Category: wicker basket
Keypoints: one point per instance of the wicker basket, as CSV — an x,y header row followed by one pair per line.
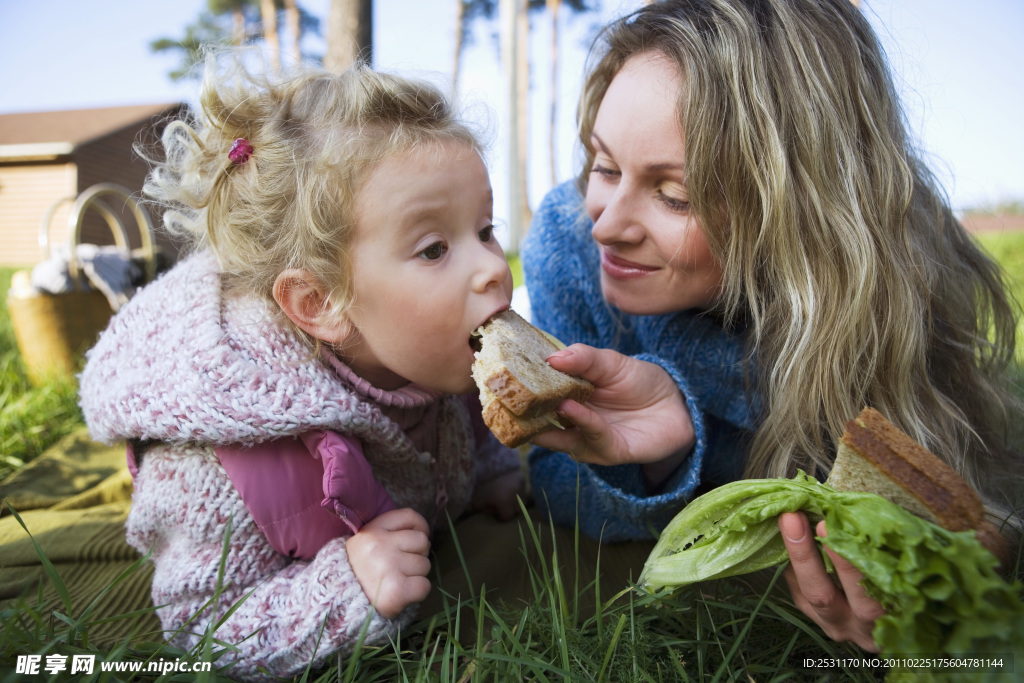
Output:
x,y
54,330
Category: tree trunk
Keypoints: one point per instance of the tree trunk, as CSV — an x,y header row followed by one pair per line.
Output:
x,y
268,13
460,19
237,27
512,59
294,30
553,7
523,101
349,34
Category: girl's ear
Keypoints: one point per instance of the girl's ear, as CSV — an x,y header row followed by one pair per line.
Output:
x,y
305,301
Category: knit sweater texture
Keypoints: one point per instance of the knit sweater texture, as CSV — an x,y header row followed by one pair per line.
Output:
x,y
561,265
183,369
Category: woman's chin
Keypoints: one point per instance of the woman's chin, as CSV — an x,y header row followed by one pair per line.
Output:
x,y
651,299
630,302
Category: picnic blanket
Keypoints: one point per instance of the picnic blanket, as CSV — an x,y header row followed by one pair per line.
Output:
x,y
74,501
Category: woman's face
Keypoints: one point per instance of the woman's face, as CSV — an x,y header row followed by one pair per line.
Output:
x,y
654,257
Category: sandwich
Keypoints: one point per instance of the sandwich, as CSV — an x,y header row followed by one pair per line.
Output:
x,y
519,391
877,457
883,486
914,529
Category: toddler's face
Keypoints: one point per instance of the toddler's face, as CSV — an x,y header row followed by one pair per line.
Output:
x,y
427,269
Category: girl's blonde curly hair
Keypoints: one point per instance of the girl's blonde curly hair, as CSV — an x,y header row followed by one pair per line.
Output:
x,y
842,260
315,135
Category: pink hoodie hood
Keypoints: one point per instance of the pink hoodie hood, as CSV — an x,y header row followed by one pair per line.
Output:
x,y
180,363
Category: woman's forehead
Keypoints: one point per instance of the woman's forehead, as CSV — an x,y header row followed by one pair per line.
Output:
x,y
641,108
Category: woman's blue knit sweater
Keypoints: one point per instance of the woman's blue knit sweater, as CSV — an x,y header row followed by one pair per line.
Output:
x,y
562,269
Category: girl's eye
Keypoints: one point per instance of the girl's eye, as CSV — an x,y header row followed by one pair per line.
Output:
x,y
487,234
433,252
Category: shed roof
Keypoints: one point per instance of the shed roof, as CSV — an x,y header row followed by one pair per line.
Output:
x,y
50,133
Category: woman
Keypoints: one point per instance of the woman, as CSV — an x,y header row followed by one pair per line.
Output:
x,y
752,253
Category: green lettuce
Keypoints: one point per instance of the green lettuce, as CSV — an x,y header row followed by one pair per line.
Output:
x,y
941,590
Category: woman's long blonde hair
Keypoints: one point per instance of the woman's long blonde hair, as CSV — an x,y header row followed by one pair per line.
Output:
x,y
316,135
843,262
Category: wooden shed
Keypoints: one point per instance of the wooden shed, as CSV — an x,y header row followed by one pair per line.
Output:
x,y
46,157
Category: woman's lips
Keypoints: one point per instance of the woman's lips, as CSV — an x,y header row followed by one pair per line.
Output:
x,y
623,269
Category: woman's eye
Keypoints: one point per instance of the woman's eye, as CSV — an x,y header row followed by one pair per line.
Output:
x,y
673,204
487,234
604,171
433,252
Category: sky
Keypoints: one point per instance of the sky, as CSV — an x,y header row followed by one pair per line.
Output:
x,y
960,68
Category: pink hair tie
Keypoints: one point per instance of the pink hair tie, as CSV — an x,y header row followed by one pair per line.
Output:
x,y
241,150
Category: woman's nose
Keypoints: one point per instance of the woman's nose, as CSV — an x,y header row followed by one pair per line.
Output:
x,y
616,218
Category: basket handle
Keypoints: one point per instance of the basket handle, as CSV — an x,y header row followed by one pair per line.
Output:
x,y
44,225
113,220
93,196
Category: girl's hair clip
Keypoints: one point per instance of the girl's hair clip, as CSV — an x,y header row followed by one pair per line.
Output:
x,y
241,150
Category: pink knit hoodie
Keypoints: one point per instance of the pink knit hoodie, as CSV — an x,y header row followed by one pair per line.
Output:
x,y
184,370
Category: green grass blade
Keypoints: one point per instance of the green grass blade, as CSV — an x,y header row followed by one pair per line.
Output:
x,y
611,646
51,571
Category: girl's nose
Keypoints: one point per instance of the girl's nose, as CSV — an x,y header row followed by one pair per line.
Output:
x,y
491,270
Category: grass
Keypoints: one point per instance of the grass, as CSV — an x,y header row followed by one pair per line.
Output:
x,y
517,269
31,418
737,629
723,631
1008,249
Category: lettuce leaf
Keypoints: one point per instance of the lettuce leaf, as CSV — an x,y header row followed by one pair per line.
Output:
x,y
940,588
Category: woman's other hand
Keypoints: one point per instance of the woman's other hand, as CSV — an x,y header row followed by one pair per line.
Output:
x,y
844,612
635,415
389,558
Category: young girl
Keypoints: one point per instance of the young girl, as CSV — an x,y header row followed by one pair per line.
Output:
x,y
288,391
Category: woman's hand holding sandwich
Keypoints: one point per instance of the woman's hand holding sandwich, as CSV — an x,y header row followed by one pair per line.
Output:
x,y
635,415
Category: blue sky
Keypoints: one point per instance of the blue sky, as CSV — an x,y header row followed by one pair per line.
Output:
x,y
960,66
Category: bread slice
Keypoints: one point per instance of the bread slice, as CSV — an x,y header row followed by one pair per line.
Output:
x,y
511,430
519,391
876,456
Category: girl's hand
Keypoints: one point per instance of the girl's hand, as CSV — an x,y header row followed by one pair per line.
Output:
x,y
499,497
389,558
635,415
845,612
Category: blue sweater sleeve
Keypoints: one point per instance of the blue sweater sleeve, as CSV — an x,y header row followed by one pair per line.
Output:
x,y
562,270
